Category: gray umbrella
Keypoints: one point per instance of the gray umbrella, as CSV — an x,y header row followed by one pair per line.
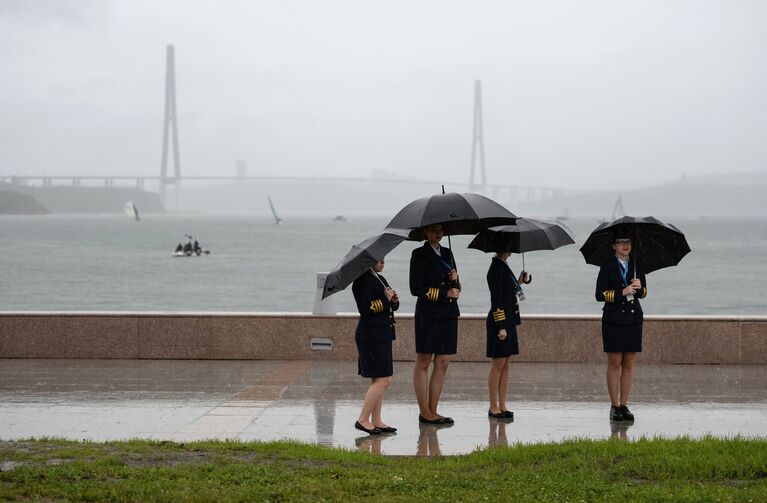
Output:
x,y
524,236
362,257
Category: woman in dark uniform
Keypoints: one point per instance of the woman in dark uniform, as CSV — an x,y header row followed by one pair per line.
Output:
x,y
502,321
434,281
620,285
376,303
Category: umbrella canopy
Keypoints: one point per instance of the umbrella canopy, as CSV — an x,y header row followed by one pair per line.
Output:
x,y
466,213
362,257
655,244
524,236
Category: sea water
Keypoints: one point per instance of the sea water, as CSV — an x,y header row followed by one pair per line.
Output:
x,y
113,263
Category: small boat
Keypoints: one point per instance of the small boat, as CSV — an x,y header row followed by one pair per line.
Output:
x,y
131,210
189,249
277,220
565,215
340,218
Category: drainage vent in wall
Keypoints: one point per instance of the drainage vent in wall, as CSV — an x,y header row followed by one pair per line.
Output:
x,y
321,344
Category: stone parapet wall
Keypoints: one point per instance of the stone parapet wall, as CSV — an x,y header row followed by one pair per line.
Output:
x,y
288,336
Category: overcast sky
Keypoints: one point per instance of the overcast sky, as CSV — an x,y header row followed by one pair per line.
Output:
x,y
578,94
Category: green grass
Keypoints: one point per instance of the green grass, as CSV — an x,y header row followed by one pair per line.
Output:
x,y
709,469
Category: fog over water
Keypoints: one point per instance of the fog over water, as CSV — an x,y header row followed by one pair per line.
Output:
x,y
576,94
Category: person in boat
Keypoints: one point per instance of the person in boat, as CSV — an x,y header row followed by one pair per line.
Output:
x,y
188,248
179,248
197,248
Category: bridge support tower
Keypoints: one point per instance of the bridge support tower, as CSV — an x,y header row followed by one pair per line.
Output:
x,y
170,124
477,142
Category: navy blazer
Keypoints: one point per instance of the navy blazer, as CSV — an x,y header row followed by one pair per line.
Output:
x,y
429,282
610,285
376,322
504,307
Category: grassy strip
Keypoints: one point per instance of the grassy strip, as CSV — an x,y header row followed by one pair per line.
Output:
x,y
709,469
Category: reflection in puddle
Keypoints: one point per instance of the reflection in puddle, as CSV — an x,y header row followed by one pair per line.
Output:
x,y
428,443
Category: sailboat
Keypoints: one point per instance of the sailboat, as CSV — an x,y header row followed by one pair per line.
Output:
x,y
131,210
618,210
277,220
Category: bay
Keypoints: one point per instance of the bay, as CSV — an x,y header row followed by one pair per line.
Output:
x,y
112,263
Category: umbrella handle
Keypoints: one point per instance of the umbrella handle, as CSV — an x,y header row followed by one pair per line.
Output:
x,y
450,244
522,274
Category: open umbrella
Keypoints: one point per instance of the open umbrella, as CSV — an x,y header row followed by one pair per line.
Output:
x,y
361,257
524,236
655,244
466,213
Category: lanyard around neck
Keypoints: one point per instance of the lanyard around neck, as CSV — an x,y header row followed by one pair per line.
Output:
x,y
624,272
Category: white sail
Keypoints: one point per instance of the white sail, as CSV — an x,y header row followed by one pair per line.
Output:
x,y
131,210
618,210
277,219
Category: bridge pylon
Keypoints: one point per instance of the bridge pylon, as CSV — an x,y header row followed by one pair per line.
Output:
x,y
477,142
170,123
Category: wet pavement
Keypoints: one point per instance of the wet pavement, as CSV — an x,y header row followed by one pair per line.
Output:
x,y
318,402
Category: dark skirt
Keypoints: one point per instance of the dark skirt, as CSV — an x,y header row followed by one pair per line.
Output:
x,y
622,338
375,359
497,348
436,336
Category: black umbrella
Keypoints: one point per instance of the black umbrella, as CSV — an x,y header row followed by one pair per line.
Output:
x,y
655,244
362,257
466,213
524,236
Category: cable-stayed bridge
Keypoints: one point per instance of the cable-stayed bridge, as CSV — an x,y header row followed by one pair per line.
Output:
x,y
156,182
161,182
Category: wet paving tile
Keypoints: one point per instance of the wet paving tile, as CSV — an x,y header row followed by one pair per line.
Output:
x,y
318,402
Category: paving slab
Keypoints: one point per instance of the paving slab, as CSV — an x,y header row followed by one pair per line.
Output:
x,y
318,402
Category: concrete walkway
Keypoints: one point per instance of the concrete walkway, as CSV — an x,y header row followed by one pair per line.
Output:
x,y
318,402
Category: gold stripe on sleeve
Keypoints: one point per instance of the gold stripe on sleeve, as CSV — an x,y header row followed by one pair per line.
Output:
x,y
499,315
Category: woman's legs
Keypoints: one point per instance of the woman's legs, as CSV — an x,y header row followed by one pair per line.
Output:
x,y
421,384
494,383
437,381
373,397
376,416
627,375
614,376
503,386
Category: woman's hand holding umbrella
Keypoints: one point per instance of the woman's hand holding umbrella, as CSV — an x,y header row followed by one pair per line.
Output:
x,y
633,288
455,292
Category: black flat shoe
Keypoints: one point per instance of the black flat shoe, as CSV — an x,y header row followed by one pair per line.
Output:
x,y
616,414
439,420
627,415
508,414
387,429
369,431
447,420
497,415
